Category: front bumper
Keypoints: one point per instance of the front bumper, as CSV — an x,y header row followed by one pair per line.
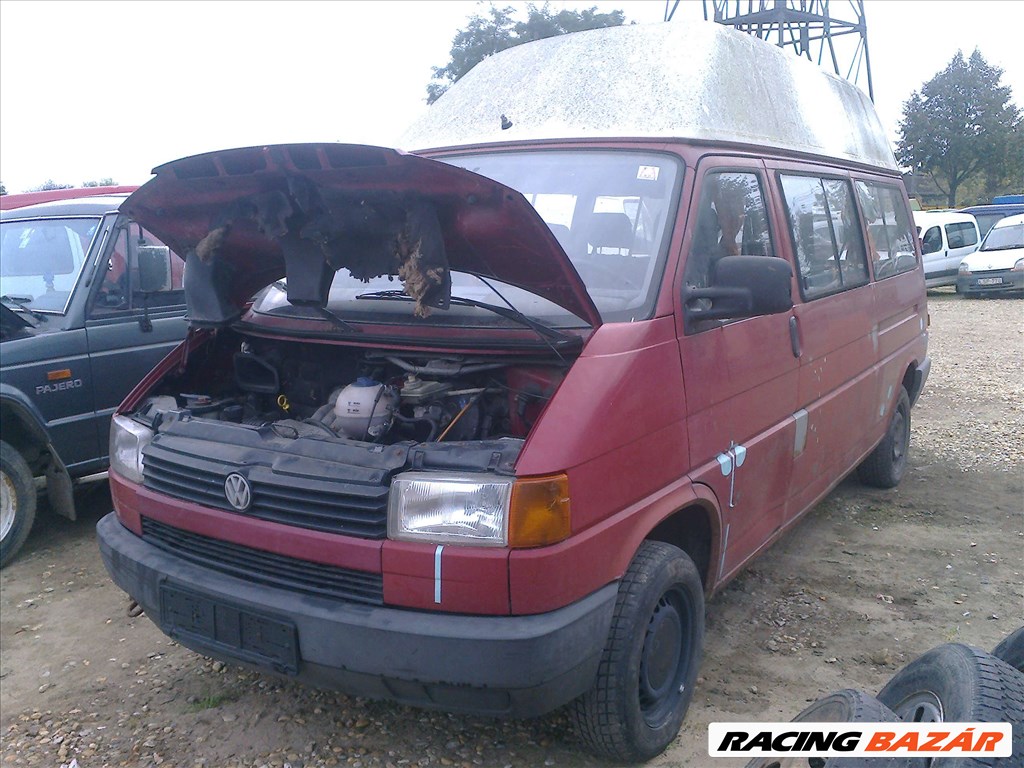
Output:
x,y
975,283
518,666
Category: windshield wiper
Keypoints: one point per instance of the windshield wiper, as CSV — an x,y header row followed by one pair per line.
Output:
x,y
515,315
21,302
342,323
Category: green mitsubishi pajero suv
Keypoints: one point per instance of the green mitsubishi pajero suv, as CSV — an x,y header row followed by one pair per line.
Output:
x,y
89,302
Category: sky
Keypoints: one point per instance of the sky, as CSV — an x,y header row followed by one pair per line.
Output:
x,y
92,90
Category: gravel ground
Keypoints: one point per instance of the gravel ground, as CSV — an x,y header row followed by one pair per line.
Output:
x,y
866,582
974,403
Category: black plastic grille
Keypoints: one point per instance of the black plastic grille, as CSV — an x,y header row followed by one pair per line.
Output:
x,y
267,568
320,504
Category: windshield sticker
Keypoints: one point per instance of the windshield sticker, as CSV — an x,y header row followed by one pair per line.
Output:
x,y
647,173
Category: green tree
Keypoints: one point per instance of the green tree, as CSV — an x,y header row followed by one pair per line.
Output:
x,y
105,182
49,184
960,125
496,30
3,189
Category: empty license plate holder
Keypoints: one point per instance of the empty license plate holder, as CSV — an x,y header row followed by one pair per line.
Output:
x,y
249,636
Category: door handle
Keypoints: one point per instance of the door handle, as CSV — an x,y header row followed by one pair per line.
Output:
x,y
794,336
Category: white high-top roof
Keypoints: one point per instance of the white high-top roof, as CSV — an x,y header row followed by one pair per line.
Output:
x,y
669,80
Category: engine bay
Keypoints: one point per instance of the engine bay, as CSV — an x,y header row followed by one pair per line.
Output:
x,y
331,392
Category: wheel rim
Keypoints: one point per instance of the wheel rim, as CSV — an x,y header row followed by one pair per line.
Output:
x,y
8,505
664,660
923,707
901,433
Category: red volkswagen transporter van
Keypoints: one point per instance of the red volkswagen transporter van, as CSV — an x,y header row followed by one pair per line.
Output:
x,y
504,412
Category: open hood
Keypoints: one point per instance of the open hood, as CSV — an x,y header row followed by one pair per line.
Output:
x,y
246,217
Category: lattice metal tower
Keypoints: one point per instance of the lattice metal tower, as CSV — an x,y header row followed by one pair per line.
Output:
x,y
816,29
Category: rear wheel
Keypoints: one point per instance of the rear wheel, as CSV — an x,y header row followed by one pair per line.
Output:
x,y
649,665
17,502
885,466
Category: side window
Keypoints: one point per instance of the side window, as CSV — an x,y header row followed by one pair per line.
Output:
x,y
932,240
961,234
826,234
731,220
141,272
890,236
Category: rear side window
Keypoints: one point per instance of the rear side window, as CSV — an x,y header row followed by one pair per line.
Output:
x,y
826,235
961,234
890,235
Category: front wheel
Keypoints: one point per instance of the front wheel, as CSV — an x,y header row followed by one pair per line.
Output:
x,y
884,467
649,665
17,502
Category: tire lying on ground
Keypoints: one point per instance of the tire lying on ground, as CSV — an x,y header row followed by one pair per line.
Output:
x,y
845,706
1011,650
960,683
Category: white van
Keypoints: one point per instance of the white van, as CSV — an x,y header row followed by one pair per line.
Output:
x,y
946,237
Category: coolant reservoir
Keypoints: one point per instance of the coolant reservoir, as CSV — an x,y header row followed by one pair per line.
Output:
x,y
365,408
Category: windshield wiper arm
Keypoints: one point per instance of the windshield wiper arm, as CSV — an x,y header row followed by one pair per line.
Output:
x,y
341,322
512,314
21,302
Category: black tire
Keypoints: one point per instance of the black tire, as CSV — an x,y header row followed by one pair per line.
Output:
x,y
960,683
1011,650
845,706
885,466
650,661
17,502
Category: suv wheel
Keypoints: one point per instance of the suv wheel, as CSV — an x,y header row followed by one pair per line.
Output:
x,y
17,502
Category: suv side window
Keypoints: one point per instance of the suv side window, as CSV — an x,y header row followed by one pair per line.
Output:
x,y
826,235
890,236
120,289
731,220
961,234
932,240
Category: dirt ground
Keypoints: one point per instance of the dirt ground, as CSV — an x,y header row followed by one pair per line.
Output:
x,y
866,582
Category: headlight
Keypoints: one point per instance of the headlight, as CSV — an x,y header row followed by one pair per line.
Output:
x,y
479,510
128,440
450,508
1018,266
964,269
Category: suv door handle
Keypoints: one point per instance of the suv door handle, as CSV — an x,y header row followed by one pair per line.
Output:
x,y
794,336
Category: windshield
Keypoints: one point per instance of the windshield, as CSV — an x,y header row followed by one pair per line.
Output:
x,y
1002,238
610,211
41,260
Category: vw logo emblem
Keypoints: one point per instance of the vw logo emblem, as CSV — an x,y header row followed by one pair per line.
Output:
x,y
237,491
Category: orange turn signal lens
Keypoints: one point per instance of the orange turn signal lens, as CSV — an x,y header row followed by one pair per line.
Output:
x,y
539,511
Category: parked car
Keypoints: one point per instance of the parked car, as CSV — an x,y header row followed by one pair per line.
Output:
x,y
506,409
91,301
988,215
21,199
997,267
946,237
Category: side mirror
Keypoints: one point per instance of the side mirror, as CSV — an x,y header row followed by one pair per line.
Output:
x,y
154,268
744,286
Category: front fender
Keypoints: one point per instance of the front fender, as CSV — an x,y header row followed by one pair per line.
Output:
x,y
16,405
